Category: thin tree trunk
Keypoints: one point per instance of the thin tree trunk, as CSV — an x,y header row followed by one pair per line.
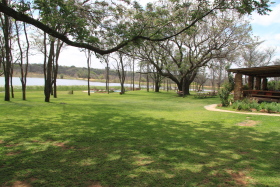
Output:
x,y
55,66
11,81
140,76
7,65
133,74
107,77
23,69
24,74
88,66
48,80
148,81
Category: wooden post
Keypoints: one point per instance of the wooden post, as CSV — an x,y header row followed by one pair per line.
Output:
x,y
258,83
238,87
251,82
264,83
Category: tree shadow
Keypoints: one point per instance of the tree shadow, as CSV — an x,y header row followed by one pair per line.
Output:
x,y
116,149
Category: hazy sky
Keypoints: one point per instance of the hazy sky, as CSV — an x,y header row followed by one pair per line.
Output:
x,y
266,27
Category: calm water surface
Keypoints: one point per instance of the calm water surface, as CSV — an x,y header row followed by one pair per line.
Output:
x,y
59,82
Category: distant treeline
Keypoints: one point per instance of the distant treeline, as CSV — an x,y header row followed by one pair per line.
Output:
x,y
71,71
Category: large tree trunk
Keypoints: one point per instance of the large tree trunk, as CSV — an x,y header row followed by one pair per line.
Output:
x,y
187,88
157,85
184,84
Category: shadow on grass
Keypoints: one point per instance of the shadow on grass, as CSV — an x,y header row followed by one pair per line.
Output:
x,y
111,149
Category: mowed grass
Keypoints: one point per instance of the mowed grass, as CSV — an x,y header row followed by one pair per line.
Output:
x,y
136,139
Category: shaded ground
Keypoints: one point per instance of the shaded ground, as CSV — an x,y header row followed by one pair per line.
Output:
x,y
126,143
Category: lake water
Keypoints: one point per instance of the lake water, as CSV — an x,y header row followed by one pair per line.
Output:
x,y
59,82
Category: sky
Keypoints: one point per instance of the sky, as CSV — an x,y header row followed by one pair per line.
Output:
x,y
266,27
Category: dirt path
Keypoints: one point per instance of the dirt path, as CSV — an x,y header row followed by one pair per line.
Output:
x,y
213,108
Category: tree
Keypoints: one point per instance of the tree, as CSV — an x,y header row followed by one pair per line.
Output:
x,y
180,58
23,57
58,48
75,15
218,71
105,59
252,55
7,60
110,18
88,55
201,78
120,66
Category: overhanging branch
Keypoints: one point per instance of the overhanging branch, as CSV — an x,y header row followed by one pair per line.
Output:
x,y
22,17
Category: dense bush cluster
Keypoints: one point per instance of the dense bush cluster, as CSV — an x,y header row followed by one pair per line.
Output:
x,y
273,85
253,105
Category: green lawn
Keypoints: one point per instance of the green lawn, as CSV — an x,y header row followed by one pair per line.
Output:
x,y
138,139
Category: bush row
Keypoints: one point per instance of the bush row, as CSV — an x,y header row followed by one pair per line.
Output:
x,y
253,105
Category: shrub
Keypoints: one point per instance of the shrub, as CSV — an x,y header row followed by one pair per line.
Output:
x,y
237,105
226,90
253,104
272,107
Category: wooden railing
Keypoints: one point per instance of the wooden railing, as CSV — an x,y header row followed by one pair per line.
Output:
x,y
262,93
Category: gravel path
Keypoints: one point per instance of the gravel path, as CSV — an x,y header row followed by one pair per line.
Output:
x,y
213,108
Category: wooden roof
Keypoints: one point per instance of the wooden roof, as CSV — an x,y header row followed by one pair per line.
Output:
x,y
264,71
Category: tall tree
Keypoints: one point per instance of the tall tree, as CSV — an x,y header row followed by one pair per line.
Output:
x,y
58,47
180,58
120,66
23,57
253,55
48,68
88,56
218,71
7,63
107,17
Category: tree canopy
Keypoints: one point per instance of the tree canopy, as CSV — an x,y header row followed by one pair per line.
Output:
x,y
86,22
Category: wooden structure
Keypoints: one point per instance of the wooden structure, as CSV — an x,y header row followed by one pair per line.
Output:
x,y
257,83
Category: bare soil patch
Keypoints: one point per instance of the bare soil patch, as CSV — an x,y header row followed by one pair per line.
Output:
x,y
11,145
95,184
62,145
248,123
13,153
21,184
239,178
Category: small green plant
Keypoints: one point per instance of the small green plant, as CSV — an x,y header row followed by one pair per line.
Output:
x,y
224,93
272,107
248,105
